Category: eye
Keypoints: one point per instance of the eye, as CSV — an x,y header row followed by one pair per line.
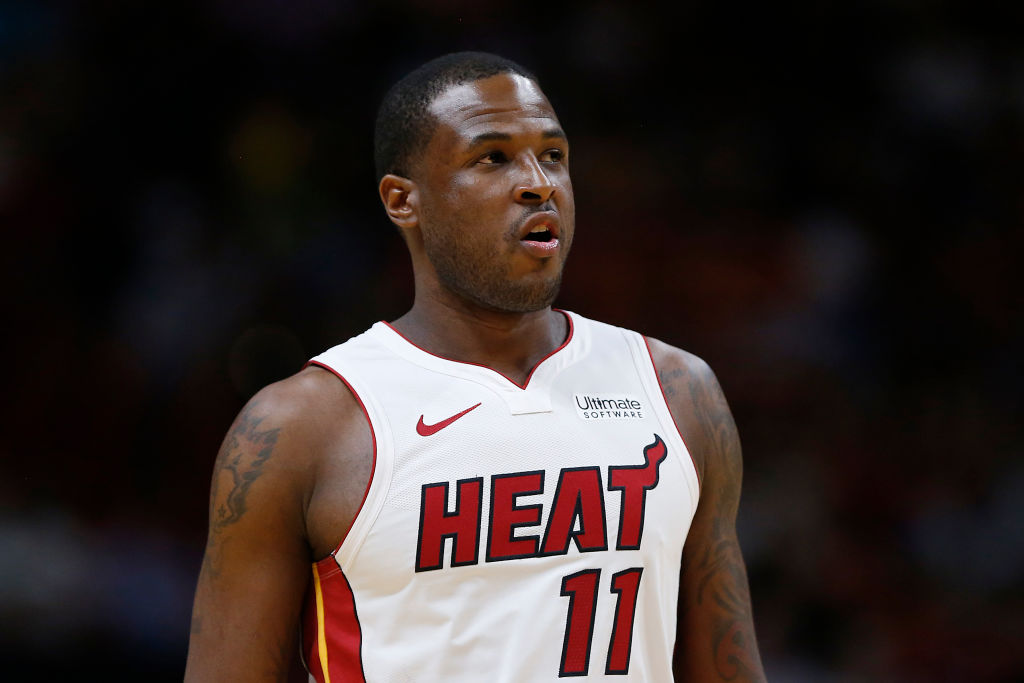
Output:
x,y
553,155
493,158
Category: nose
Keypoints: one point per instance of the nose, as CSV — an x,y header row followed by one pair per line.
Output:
x,y
534,187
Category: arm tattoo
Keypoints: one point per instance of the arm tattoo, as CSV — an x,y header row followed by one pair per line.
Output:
x,y
722,591
723,579
723,585
242,469
240,462
668,381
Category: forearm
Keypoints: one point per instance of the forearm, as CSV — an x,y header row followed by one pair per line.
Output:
x,y
717,641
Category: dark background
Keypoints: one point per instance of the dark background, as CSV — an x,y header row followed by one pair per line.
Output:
x,y
823,200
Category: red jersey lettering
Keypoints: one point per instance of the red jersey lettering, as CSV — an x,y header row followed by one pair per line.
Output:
x,y
635,481
579,495
507,515
462,525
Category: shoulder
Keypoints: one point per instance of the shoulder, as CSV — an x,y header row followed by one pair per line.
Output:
x,y
289,428
306,402
697,403
677,369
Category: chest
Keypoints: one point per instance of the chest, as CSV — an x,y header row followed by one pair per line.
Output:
x,y
470,477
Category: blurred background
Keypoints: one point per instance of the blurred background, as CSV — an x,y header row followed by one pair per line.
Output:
x,y
823,200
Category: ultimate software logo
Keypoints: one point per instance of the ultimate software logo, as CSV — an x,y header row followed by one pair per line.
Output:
x,y
608,407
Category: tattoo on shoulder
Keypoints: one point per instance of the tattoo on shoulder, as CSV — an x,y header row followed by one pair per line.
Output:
x,y
669,379
722,442
240,463
699,389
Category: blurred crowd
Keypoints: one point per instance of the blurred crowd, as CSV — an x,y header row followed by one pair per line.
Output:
x,y
823,200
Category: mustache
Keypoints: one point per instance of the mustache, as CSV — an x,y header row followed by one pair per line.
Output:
x,y
528,212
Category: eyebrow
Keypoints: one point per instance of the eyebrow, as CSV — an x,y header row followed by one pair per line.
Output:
x,y
493,136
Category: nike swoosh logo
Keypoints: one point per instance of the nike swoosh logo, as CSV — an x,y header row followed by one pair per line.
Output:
x,y
424,429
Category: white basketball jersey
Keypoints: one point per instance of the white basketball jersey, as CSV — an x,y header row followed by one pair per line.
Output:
x,y
509,532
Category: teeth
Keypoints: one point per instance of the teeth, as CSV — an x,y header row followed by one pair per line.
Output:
x,y
539,229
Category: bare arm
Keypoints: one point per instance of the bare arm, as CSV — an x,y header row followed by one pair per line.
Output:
x,y
270,517
715,639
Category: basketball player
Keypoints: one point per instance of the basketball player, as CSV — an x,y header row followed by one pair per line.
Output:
x,y
487,488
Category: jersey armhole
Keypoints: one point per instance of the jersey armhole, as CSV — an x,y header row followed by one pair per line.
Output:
x,y
373,496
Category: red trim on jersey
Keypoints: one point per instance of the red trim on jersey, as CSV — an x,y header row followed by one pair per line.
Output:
x,y
526,383
665,398
373,435
310,628
342,633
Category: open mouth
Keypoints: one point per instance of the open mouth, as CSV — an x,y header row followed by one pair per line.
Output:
x,y
539,234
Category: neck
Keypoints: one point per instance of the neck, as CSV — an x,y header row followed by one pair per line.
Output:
x,y
510,343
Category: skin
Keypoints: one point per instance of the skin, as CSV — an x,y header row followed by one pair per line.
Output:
x,y
715,635
294,466
466,261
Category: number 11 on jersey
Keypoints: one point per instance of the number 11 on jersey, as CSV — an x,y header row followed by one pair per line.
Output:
x,y
581,589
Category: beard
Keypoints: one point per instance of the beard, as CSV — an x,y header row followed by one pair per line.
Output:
x,y
487,282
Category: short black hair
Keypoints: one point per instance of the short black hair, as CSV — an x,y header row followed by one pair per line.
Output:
x,y
404,124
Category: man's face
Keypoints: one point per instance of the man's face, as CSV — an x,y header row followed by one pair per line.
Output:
x,y
496,205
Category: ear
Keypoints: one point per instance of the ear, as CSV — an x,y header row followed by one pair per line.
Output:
x,y
401,200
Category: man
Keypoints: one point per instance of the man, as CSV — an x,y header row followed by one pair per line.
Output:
x,y
485,489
